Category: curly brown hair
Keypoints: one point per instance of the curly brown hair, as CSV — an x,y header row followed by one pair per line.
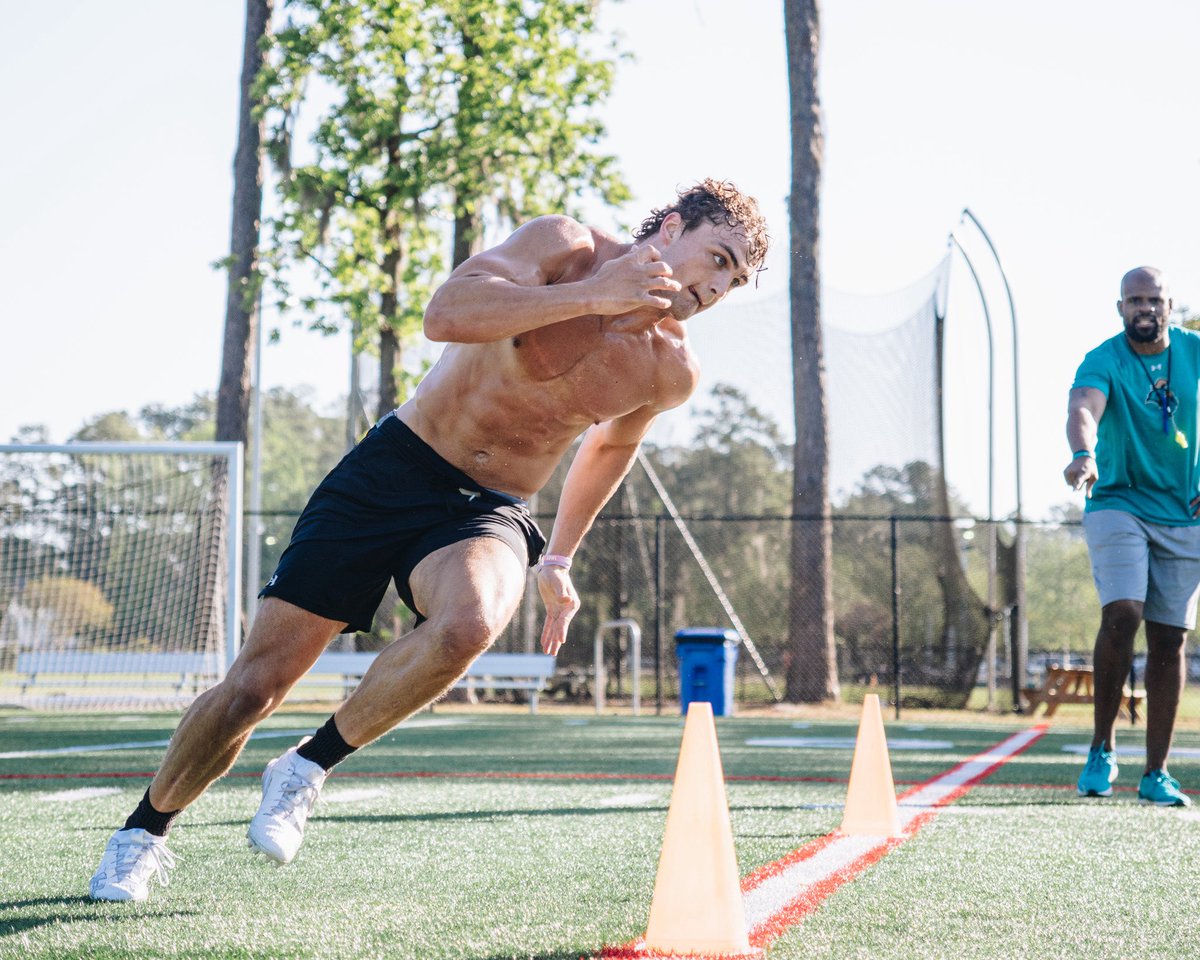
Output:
x,y
721,203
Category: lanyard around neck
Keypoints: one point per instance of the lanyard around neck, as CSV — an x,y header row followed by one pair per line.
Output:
x,y
1162,395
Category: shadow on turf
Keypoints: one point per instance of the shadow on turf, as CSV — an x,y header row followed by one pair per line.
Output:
x,y
71,909
460,815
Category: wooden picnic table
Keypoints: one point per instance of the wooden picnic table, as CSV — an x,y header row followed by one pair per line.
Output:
x,y
1074,685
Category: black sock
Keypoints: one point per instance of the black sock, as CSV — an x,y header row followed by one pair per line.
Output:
x,y
326,748
145,817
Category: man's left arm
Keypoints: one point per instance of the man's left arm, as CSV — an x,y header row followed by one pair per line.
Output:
x,y
603,460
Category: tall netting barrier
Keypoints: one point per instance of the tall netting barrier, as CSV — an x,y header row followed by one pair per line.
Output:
x,y
119,568
921,591
883,388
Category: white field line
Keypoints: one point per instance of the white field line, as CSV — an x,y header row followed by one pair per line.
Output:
x,y
846,743
83,793
1191,753
630,800
775,893
352,795
144,744
129,745
769,898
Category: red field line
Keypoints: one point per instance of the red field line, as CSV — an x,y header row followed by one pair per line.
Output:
x,y
435,774
792,909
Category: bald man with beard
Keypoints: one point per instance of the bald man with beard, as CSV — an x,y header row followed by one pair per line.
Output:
x,y
1131,425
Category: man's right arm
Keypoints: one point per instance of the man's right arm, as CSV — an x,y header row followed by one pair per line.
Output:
x,y
515,286
1085,407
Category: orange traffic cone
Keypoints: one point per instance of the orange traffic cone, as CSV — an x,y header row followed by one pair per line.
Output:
x,y
871,798
697,905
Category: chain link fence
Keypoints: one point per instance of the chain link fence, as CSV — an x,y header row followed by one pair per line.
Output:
x,y
923,606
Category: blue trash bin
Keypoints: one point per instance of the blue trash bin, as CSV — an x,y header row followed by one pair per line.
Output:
x,y
707,657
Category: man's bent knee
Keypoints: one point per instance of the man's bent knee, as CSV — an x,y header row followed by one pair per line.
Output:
x,y
251,693
461,639
1121,617
1163,638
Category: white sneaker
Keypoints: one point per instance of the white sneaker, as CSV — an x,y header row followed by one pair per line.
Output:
x,y
131,858
290,788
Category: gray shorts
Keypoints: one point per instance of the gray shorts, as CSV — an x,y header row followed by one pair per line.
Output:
x,y
1154,564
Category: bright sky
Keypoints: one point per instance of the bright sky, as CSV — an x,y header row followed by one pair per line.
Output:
x,y
1069,128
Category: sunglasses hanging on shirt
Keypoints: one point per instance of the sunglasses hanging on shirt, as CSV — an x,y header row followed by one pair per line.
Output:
x,y
1163,396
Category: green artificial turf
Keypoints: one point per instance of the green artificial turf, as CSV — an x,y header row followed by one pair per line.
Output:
x,y
483,859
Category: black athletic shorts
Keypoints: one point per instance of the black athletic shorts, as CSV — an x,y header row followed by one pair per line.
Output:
x,y
390,503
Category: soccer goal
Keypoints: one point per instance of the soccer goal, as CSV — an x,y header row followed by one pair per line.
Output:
x,y
120,572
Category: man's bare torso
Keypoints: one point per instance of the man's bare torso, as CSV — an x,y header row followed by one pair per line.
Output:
x,y
506,412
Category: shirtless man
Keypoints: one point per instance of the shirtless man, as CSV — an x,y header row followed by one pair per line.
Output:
x,y
559,330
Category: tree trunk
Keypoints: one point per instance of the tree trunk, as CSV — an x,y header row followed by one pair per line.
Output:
x,y
241,306
812,667
468,222
389,342
468,235
389,359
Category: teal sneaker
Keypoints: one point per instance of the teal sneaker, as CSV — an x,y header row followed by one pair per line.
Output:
x,y
1098,773
1162,789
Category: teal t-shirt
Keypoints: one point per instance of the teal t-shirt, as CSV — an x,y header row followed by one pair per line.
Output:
x,y
1143,469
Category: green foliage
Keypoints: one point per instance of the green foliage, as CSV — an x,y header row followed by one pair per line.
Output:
x,y
112,548
192,421
862,573
738,466
1063,608
734,439
300,446
69,600
423,113
733,484
115,426
911,490
31,433
95,520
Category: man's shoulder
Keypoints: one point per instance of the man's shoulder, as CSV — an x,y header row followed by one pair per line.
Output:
x,y
1104,352
1189,338
561,245
557,229
1111,345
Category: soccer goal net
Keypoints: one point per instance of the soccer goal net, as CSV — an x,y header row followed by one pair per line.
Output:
x,y
119,572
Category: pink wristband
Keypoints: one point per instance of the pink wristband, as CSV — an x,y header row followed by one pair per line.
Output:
x,y
556,560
